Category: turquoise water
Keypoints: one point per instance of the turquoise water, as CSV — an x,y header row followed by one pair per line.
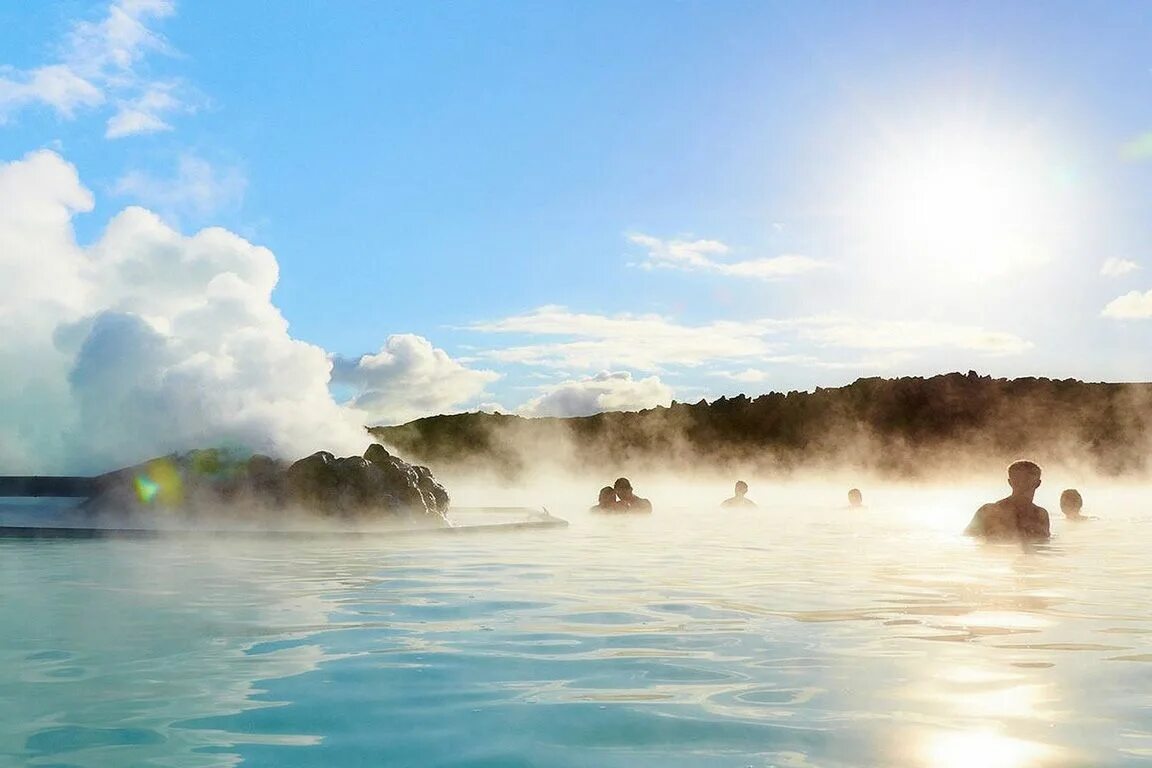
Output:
x,y
784,636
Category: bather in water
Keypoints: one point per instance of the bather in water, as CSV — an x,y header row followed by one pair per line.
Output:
x,y
1015,516
1072,504
740,499
630,500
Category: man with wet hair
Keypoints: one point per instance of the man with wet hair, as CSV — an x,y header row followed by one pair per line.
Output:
x,y
1015,516
631,501
855,498
740,499
1071,504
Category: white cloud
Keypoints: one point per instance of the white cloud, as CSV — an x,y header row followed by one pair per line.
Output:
x,y
97,65
603,392
1130,306
908,335
54,86
653,343
146,341
144,113
408,378
197,187
707,255
640,342
108,49
1114,267
747,376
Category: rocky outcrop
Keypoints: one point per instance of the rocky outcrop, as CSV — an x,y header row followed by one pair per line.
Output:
x,y
199,483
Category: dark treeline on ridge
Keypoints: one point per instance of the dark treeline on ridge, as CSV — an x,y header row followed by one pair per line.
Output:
x,y
905,427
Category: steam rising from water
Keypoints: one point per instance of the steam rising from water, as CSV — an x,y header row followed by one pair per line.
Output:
x,y
144,342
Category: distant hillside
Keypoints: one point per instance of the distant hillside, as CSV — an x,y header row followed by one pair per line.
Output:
x,y
911,427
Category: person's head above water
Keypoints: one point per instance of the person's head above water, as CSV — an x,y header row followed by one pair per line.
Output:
x,y
855,498
741,488
622,487
1024,478
1071,502
607,496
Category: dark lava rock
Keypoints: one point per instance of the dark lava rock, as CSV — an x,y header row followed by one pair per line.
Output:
x,y
376,485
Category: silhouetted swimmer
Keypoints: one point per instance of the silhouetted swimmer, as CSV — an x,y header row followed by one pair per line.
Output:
x,y
855,498
1071,504
608,501
1015,516
741,498
631,501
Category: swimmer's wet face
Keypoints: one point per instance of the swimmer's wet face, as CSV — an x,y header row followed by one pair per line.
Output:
x,y
741,488
855,498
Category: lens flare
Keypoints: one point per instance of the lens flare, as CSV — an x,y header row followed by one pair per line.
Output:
x,y
160,484
146,488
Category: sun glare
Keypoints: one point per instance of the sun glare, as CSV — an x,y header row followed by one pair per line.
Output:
x,y
960,203
984,749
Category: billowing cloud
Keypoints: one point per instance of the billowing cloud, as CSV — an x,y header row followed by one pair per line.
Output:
x,y
145,341
406,379
603,392
1114,267
97,66
1131,306
708,256
197,187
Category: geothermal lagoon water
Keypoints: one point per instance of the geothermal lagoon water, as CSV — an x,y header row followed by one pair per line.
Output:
x,y
795,635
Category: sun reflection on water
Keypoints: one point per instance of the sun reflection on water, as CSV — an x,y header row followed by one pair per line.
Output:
x,y
985,749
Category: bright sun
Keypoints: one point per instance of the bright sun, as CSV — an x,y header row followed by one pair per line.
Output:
x,y
960,203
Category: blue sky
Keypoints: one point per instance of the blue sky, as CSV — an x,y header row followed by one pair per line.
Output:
x,y
596,205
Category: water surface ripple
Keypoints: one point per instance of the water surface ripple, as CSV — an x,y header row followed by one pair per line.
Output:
x,y
689,638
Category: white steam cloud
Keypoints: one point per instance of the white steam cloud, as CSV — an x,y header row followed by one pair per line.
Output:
x,y
149,341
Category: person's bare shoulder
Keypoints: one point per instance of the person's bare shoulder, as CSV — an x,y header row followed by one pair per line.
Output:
x,y
990,510
977,526
1039,526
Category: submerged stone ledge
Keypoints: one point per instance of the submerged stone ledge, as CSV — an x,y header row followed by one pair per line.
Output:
x,y
215,482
